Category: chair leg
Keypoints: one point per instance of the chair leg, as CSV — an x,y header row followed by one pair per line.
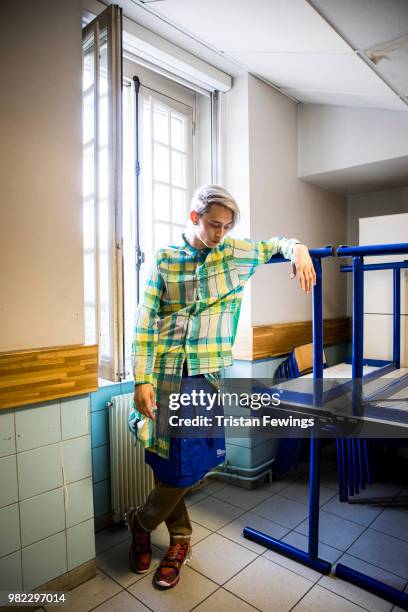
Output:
x,y
367,461
350,471
355,466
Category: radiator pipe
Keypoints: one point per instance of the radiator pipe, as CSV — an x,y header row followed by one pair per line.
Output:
x,y
238,476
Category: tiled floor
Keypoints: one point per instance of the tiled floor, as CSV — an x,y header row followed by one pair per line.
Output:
x,y
229,573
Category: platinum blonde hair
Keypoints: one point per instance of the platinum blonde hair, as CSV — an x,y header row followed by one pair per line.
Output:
x,y
207,195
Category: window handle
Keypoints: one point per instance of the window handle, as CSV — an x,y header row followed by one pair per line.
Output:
x,y
140,257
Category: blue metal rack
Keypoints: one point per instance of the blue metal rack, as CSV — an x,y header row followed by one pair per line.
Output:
x,y
318,398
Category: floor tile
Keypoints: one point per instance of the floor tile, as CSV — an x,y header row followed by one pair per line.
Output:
x,y
394,522
210,486
213,513
244,498
194,496
379,489
334,531
328,553
219,559
234,530
329,480
363,514
224,601
267,586
328,471
299,491
90,594
321,599
110,537
397,608
161,538
115,563
293,566
355,594
382,550
282,510
122,602
192,589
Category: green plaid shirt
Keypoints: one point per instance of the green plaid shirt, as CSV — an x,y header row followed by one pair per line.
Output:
x,y
190,313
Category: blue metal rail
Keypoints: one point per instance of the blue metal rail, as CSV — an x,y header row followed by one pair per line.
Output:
x,y
401,248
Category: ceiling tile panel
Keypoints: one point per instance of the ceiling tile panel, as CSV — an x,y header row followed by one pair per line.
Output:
x,y
253,25
367,22
342,73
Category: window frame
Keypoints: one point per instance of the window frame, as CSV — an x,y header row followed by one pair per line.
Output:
x,y
115,366
180,100
111,365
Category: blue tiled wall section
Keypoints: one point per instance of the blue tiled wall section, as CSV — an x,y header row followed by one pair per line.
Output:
x,y
100,447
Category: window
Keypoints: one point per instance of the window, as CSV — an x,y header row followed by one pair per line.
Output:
x,y
101,129
145,150
156,201
166,171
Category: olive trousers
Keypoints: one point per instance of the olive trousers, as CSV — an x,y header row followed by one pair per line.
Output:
x,y
166,503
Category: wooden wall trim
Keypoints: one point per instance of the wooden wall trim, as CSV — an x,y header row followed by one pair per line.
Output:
x,y
263,341
39,375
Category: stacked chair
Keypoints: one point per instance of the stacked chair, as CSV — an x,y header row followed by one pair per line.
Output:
x,y
298,363
353,463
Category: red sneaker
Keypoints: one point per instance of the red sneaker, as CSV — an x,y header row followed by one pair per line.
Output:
x,y
140,552
168,573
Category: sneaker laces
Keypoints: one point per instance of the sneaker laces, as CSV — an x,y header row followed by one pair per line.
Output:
x,y
176,553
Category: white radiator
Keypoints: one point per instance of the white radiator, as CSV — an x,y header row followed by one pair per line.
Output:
x,y
131,479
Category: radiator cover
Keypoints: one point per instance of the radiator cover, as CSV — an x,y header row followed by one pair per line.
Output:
x,y
131,479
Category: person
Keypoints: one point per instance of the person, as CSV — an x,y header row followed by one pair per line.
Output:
x,y
185,329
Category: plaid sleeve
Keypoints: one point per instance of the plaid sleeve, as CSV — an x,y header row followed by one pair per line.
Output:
x,y
249,254
146,334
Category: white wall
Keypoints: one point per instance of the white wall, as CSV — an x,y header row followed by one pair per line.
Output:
x,y
40,166
372,204
378,288
235,164
335,137
203,140
282,204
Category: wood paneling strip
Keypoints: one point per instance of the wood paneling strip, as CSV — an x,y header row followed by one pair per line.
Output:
x,y
39,375
263,341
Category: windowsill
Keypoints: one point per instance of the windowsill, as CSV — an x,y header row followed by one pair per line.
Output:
x,y
102,382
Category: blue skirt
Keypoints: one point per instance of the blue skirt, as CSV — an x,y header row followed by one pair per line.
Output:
x,y
190,457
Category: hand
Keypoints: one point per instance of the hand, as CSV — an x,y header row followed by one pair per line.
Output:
x,y
302,265
144,400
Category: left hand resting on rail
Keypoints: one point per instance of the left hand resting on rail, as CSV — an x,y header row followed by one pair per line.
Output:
x,y
302,266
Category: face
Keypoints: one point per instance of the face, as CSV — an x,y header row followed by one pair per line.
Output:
x,y
213,225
